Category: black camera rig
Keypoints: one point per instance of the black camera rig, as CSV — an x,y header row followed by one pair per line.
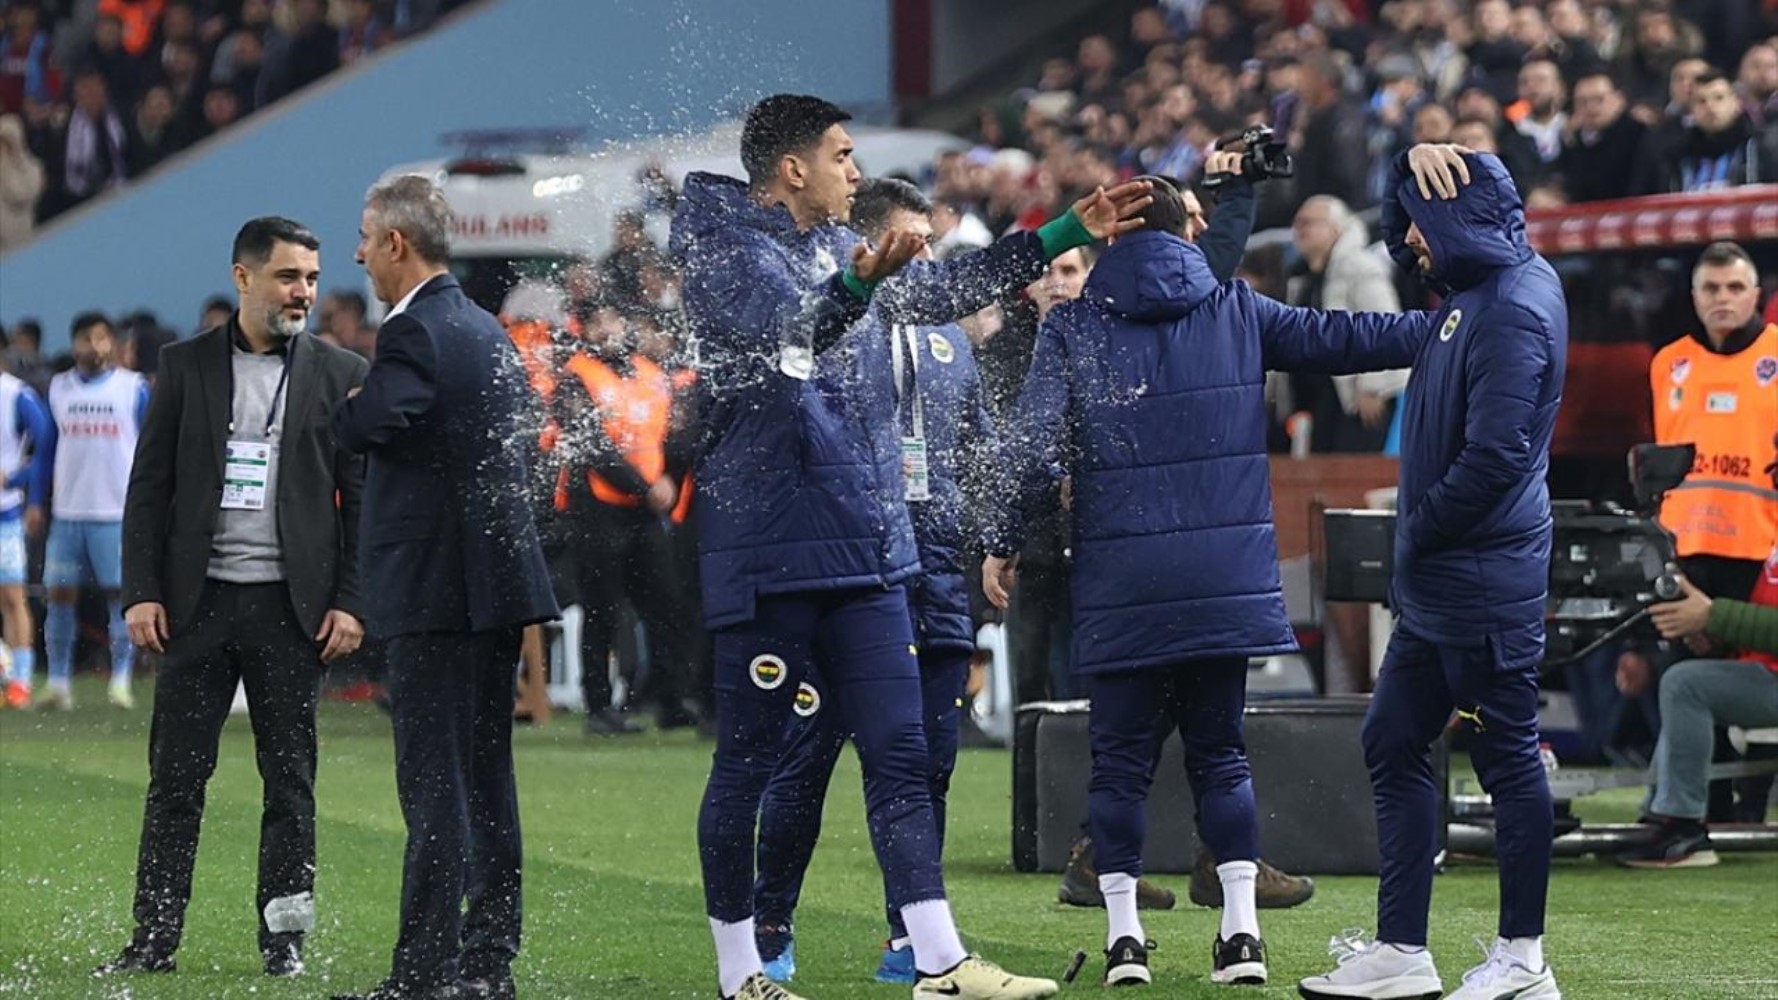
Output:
x,y
1263,156
1607,565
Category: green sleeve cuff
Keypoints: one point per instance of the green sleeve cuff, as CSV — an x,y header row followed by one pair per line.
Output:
x,y
856,285
1062,234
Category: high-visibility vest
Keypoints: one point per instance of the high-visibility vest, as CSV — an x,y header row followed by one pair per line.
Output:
x,y
634,412
533,341
139,22
1727,406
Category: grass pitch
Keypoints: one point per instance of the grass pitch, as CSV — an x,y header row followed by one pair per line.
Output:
x,y
613,903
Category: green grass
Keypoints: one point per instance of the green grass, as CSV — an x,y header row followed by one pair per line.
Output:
x,y
613,903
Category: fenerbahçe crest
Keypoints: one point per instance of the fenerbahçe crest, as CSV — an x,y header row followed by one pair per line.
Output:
x,y
808,700
1450,327
767,672
942,351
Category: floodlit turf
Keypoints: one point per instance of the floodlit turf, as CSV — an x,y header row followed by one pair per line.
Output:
x,y
614,908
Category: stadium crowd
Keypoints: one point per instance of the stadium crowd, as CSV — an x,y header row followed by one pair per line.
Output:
x,y
97,93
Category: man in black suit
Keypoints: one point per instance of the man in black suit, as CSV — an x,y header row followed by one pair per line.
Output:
x,y
239,565
453,573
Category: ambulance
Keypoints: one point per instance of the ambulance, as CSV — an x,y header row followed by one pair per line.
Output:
x,y
527,203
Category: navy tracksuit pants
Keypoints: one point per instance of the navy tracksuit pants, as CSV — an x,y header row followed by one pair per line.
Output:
x,y
1494,692
790,816
1131,711
861,642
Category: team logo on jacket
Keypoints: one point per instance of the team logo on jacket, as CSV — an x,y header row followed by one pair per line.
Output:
x,y
1675,398
808,700
1682,367
768,672
1445,332
942,351
1765,370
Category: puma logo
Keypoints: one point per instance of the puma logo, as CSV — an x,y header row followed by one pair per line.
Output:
x,y
1473,716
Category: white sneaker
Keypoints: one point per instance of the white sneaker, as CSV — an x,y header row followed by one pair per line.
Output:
x,y
120,695
1504,977
1374,971
979,979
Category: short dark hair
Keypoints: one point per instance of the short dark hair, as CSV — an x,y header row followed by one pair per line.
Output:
x,y
1710,76
878,198
217,303
28,328
1723,253
783,124
1166,214
351,300
253,244
85,321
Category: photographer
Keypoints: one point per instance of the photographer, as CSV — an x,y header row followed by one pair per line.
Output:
x,y
1697,696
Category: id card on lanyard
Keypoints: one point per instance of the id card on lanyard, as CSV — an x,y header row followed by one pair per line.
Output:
x,y
246,470
915,466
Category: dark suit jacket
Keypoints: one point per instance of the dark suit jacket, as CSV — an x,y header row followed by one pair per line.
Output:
x,y
445,416
169,516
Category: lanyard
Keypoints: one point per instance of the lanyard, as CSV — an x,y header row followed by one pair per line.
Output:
x,y
271,413
912,357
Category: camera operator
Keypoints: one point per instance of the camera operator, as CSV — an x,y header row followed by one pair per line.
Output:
x,y
1699,695
1714,389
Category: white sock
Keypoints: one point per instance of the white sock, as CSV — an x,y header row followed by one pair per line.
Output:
x,y
737,954
1528,950
933,931
1120,908
1239,913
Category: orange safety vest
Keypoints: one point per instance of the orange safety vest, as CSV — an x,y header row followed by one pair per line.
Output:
x,y
139,21
634,412
532,340
1727,406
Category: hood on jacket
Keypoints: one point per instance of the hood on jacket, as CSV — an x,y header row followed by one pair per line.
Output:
x,y
1476,233
1151,277
710,203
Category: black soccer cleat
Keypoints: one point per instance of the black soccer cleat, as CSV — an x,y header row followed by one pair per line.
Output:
x,y
1126,962
1240,960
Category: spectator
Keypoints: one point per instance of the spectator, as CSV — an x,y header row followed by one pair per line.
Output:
x,y
1097,65
1538,112
1565,39
1719,149
106,53
1599,156
364,32
152,137
1432,123
1330,149
182,70
296,58
1350,413
1758,82
222,108
139,21
25,71
1495,55
94,145
1514,148
21,183
1393,110
217,310
239,60
343,323
1662,41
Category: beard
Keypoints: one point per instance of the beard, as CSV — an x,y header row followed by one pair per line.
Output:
x,y
282,327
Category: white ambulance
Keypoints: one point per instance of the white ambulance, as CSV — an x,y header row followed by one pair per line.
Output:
x,y
526,203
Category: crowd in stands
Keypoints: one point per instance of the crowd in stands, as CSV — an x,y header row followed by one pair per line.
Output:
x,y
96,93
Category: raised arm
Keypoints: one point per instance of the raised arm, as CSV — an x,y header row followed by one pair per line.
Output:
x,y
1298,339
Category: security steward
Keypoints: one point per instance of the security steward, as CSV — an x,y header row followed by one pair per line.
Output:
x,y
1718,390
240,564
625,467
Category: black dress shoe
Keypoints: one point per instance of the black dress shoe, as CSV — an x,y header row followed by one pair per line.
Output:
x,y
134,959
284,960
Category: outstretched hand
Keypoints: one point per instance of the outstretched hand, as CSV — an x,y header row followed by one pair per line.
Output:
x,y
1112,212
897,247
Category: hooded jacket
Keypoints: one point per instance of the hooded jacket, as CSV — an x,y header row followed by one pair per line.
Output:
x,y
790,485
1151,390
1473,527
